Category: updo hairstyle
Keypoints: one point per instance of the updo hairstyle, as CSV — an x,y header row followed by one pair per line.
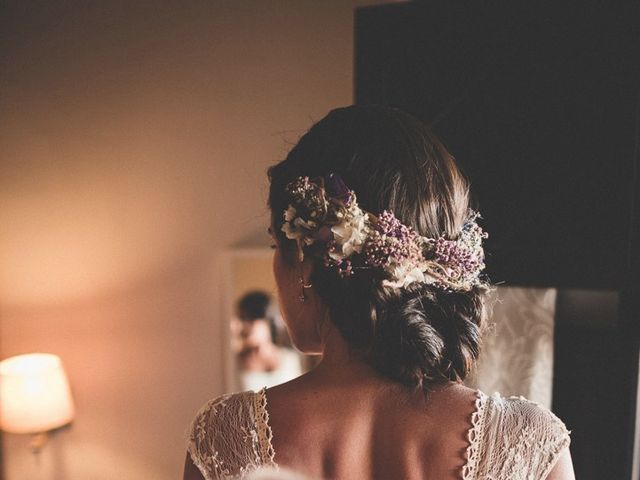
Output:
x,y
418,336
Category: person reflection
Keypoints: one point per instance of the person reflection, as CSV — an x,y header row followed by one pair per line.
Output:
x,y
263,359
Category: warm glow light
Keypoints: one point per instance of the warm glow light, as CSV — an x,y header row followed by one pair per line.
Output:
x,y
34,394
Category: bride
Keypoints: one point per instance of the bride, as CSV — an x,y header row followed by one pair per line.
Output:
x,y
378,261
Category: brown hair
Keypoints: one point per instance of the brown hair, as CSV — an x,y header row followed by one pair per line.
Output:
x,y
392,161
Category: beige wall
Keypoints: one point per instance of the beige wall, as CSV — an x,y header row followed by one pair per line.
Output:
x,y
251,270
134,140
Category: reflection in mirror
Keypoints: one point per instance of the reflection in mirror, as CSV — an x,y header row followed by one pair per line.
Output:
x,y
261,347
260,352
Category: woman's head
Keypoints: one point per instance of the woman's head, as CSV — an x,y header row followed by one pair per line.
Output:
x,y
258,307
392,162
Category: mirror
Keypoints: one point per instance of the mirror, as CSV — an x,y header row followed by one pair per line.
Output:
x,y
259,350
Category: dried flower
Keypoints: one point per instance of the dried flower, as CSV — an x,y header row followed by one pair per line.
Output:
x,y
324,210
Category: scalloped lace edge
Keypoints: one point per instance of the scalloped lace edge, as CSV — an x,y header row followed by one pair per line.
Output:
x,y
191,446
474,436
265,434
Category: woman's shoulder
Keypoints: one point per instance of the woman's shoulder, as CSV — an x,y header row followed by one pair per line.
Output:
x,y
521,428
222,408
230,434
519,411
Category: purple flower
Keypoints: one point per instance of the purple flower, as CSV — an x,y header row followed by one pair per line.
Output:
x,y
337,189
392,243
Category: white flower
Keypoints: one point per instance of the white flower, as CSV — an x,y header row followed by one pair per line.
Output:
x,y
290,213
295,228
309,225
405,274
350,235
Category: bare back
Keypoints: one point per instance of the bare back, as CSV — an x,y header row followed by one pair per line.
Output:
x,y
347,424
370,429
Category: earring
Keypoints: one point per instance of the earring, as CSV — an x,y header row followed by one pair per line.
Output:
x,y
303,285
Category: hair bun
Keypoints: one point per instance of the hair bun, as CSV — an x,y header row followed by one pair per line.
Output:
x,y
427,336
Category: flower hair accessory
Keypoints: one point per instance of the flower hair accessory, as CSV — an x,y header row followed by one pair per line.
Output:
x,y
325,213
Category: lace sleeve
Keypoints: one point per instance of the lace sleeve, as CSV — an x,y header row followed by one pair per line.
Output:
x,y
521,439
551,435
226,439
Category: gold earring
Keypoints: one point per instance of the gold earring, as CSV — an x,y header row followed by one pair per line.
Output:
x,y
303,285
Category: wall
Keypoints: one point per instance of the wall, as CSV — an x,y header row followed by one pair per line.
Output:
x,y
134,140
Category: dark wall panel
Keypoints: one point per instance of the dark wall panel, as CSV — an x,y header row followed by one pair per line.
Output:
x,y
539,102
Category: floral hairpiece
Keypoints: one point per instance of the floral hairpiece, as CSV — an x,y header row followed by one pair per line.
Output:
x,y
325,212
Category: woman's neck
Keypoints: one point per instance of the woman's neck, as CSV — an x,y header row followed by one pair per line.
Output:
x,y
342,366
339,361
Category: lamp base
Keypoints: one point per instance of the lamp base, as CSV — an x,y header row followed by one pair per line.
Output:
x,y
38,441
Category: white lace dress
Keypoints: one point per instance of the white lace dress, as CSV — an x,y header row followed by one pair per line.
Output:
x,y
510,438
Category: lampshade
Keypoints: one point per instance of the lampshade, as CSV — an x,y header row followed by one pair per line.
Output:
x,y
34,394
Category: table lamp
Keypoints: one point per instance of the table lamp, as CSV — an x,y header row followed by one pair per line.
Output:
x,y
34,396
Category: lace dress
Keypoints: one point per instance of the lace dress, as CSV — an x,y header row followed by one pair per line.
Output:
x,y
510,438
